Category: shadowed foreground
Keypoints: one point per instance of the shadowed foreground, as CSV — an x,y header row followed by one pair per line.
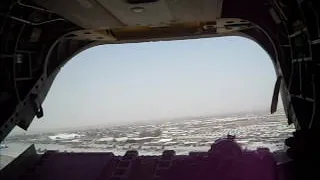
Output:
x,y
226,160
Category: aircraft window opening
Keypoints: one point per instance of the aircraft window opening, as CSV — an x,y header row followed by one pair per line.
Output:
x,y
157,96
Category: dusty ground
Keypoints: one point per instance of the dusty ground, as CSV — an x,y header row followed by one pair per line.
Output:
x,y
4,160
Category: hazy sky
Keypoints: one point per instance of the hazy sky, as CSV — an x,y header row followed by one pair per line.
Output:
x,y
115,84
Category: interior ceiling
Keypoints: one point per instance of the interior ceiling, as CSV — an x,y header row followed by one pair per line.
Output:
x,y
102,14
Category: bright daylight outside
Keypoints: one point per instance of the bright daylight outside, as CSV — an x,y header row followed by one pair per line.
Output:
x,y
178,95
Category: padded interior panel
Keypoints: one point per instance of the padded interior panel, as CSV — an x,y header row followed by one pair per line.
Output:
x,y
102,14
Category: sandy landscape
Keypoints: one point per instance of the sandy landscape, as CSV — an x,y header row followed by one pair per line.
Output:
x,y
182,135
